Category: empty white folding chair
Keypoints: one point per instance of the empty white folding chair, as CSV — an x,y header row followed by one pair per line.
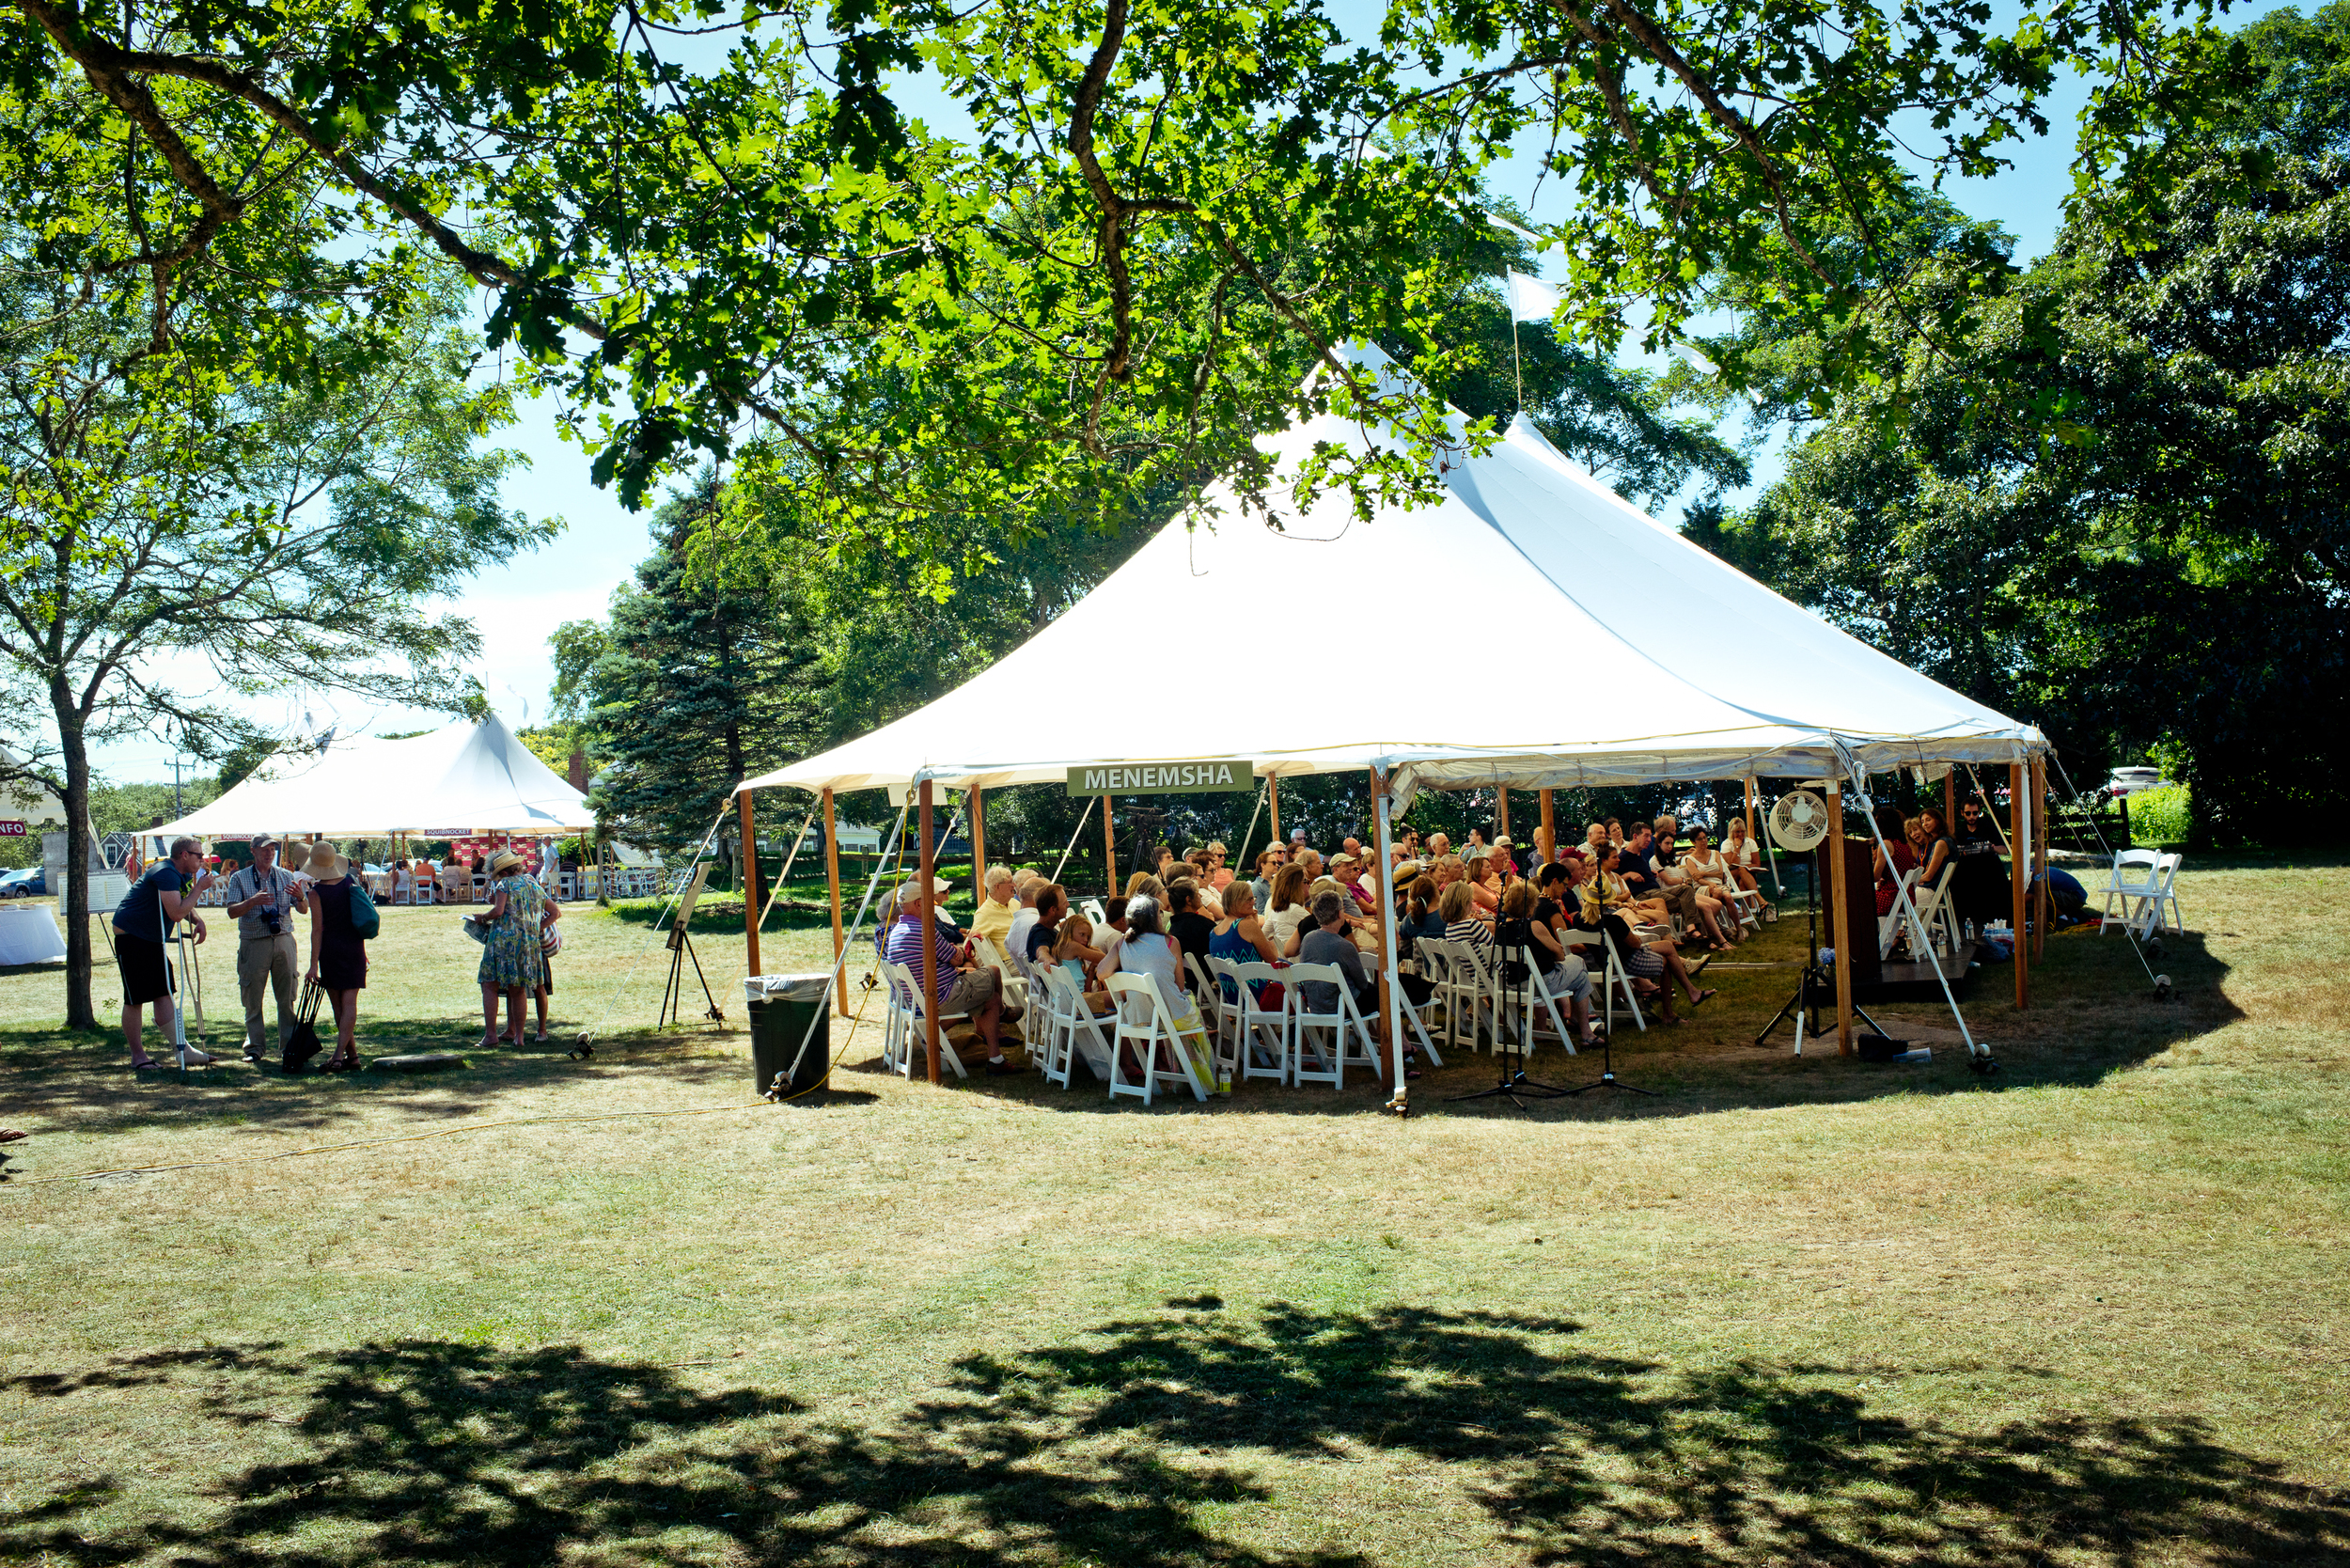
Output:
x,y
1147,1034
2130,885
2176,919
1935,912
1056,1010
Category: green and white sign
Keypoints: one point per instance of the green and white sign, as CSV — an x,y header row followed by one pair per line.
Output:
x,y
1219,776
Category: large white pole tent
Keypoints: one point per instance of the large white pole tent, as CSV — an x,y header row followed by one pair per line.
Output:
x,y
468,777
1570,640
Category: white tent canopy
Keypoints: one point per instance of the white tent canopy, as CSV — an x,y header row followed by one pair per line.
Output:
x,y
466,778
1569,639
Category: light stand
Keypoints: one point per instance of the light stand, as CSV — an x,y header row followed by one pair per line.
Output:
x,y
1511,936
1815,988
1607,1078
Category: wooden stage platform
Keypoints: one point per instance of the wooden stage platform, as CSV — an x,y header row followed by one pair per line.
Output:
x,y
1912,982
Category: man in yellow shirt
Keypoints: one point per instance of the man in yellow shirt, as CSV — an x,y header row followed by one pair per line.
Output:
x,y
997,906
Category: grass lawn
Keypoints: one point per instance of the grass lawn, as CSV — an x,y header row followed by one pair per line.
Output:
x,y
2093,1310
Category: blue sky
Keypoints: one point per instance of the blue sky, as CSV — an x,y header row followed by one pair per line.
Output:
x,y
518,605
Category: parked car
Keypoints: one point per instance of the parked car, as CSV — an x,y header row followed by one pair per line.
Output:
x,y
25,881
2130,781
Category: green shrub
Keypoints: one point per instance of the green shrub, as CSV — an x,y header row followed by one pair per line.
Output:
x,y
2159,816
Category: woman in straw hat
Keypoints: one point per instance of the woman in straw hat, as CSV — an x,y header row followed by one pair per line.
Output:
x,y
338,957
510,958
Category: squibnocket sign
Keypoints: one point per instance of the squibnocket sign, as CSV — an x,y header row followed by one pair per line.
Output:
x,y
1215,777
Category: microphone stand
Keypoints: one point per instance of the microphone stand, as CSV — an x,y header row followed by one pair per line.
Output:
x,y
1510,1027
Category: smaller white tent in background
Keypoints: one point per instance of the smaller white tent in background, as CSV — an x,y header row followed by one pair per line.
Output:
x,y
463,779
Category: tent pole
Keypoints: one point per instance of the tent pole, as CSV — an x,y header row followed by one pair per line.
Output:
x,y
1273,800
1109,851
2040,859
929,934
1949,800
1749,782
831,883
1083,817
1840,926
750,880
1501,812
2018,875
1547,836
978,849
1389,986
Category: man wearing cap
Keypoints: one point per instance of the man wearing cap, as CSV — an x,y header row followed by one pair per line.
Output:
x,y
261,898
163,896
976,991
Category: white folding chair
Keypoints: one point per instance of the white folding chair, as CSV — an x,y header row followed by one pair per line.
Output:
x,y
1935,912
1536,991
1614,978
1336,1037
1211,1002
1260,1033
1013,975
1147,1028
2131,882
1091,909
1889,923
1088,1042
1056,1012
917,1042
2168,892
1474,980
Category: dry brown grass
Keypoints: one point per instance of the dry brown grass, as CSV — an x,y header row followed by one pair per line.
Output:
x,y
2090,1311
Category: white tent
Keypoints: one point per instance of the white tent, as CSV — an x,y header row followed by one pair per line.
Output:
x,y
465,778
1531,628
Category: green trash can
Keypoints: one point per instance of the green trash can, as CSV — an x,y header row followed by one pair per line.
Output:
x,y
787,1032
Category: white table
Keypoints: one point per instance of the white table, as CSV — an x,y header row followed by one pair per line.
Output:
x,y
29,934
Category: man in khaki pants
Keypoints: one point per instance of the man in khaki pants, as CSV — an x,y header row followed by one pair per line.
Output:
x,y
263,898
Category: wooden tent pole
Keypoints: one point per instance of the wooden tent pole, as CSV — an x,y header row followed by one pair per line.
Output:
x,y
978,849
1273,799
750,882
831,883
2040,857
2019,876
1950,801
1749,783
1501,812
1392,1068
1840,926
1110,850
1547,836
929,934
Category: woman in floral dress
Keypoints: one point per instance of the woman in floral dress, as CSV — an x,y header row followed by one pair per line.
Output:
x,y
509,958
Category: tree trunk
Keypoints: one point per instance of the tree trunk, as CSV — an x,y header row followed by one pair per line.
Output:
x,y
73,900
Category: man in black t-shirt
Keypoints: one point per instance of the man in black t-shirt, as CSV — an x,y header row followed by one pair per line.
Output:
x,y
1637,867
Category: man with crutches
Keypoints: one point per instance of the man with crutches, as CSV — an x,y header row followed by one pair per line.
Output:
x,y
263,898
143,921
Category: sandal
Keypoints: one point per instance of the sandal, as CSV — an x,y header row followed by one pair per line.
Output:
x,y
149,1065
1701,998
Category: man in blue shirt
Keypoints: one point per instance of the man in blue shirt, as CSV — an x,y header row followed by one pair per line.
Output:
x,y
143,921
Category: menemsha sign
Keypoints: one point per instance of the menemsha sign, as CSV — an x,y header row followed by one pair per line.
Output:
x,y
1165,778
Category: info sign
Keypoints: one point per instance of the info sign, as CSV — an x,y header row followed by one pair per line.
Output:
x,y
11,830
1218,777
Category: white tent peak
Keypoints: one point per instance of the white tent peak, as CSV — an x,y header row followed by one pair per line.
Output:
x,y
464,777
1616,651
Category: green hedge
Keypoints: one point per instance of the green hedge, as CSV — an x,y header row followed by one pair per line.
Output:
x,y
2158,818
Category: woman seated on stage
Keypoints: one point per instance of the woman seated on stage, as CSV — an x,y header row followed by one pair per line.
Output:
x,y
1933,846
1895,834
1744,855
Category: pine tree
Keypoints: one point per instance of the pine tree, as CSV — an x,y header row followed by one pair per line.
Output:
x,y
695,686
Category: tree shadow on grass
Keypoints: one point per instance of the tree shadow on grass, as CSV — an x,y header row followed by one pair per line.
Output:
x,y
1130,1445
82,1080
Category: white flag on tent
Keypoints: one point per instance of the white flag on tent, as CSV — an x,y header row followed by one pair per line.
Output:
x,y
1499,221
1532,299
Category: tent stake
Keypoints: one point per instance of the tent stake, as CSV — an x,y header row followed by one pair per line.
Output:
x,y
831,883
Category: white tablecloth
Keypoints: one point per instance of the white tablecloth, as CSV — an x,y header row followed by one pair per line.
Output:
x,y
29,934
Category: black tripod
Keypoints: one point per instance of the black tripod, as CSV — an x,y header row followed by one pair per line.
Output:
x,y
1607,1078
673,995
1814,989
1510,938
